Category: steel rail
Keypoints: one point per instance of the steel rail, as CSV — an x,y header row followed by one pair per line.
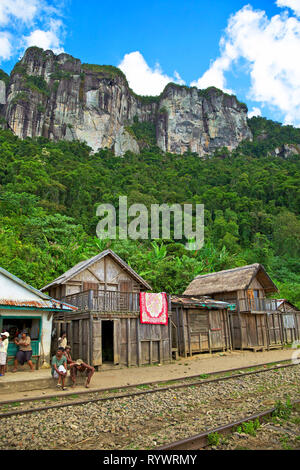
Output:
x,y
157,382
200,441
139,393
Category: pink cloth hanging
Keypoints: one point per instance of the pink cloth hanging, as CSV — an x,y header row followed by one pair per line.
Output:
x,y
154,308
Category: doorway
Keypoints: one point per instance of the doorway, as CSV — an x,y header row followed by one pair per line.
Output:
x,y
107,341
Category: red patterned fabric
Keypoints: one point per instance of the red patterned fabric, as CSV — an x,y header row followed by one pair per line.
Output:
x,y
154,308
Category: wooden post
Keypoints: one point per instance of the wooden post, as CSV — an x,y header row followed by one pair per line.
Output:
x,y
183,333
240,322
128,343
209,338
257,337
80,338
170,331
150,352
178,332
90,300
268,331
189,332
91,339
138,343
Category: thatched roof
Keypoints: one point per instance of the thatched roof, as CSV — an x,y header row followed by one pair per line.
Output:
x,y
231,280
87,263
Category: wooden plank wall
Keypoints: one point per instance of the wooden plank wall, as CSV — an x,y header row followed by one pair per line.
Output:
x,y
134,344
201,330
257,331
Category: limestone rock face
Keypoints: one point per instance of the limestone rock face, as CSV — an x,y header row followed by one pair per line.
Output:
x,y
2,92
200,121
287,150
58,97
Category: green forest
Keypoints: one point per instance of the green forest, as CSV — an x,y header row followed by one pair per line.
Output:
x,y
49,192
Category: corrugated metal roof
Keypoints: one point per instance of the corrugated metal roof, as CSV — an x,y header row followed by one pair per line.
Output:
x,y
204,302
46,302
39,304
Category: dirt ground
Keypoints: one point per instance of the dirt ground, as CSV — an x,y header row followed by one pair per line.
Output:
x,y
197,364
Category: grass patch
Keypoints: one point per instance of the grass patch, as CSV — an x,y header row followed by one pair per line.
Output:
x,y
214,439
249,427
283,410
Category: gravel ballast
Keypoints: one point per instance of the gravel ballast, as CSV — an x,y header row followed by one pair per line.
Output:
x,y
148,421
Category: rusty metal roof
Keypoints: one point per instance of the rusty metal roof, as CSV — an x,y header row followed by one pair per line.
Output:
x,y
37,304
44,302
201,301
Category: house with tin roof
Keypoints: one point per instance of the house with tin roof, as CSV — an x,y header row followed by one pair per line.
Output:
x,y
24,307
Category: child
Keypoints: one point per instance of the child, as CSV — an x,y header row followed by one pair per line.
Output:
x,y
62,341
59,368
3,352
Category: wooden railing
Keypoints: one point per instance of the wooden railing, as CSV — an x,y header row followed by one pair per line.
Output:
x,y
105,301
255,305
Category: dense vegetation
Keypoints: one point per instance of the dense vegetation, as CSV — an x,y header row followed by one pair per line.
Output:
x,y
49,193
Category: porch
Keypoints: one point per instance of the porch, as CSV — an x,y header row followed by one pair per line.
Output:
x,y
255,305
105,301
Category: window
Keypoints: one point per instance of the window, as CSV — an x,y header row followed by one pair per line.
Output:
x,y
288,321
14,326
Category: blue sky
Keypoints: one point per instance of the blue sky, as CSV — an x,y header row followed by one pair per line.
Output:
x,y
250,48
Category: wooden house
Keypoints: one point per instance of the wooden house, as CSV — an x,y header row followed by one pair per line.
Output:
x,y
24,307
291,320
200,325
107,327
256,322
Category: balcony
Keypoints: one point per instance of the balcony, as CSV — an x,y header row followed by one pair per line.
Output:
x,y
105,301
255,305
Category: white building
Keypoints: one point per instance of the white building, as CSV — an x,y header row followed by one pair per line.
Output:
x,y
24,307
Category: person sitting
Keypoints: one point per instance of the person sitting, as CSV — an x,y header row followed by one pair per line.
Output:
x,y
62,341
24,353
80,366
3,352
59,368
67,353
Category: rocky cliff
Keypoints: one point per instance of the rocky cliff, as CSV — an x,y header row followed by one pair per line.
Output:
x,y
58,97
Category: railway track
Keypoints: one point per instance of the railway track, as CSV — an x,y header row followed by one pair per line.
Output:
x,y
201,441
30,405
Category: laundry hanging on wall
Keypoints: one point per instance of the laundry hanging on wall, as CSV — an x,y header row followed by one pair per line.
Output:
x,y
154,308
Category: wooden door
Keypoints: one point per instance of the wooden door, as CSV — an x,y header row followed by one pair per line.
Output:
x,y
125,296
198,331
97,343
90,286
251,300
117,341
216,328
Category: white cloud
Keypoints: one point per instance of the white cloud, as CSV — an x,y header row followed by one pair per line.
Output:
x,y
270,47
143,79
23,10
292,4
5,46
254,112
30,23
50,39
